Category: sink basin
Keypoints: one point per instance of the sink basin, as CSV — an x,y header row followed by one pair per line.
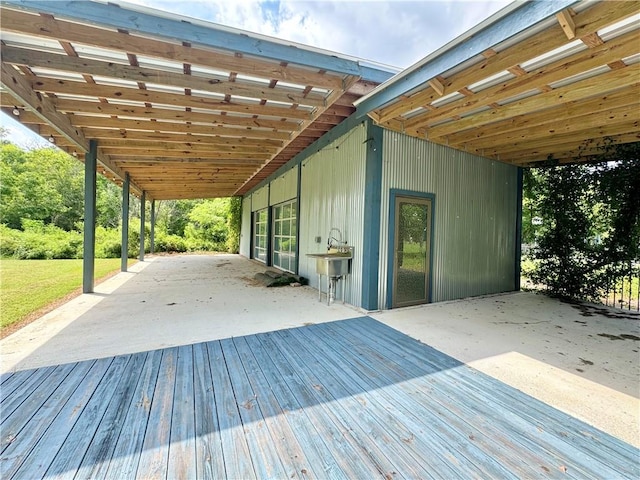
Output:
x,y
332,264
330,255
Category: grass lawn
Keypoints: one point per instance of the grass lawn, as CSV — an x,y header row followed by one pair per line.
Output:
x,y
26,286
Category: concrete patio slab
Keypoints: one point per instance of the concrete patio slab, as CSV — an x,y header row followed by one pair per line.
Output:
x,y
582,360
163,302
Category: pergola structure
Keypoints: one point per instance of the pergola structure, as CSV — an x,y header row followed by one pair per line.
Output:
x,y
171,108
178,108
187,109
531,84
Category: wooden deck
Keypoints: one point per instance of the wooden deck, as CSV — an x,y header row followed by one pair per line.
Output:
x,y
348,399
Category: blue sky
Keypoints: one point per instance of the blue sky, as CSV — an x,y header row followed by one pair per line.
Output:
x,y
397,33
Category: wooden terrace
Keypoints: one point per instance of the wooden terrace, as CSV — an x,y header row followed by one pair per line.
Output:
x,y
344,399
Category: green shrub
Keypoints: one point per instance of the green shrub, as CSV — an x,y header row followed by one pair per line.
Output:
x,y
108,242
38,241
165,242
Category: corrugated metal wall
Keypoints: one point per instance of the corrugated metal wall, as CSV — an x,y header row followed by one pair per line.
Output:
x,y
260,198
245,233
332,195
475,215
285,187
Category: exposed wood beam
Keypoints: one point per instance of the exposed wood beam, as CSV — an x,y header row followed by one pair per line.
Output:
x,y
577,110
146,113
588,22
48,27
121,137
140,153
620,47
437,85
556,126
226,132
191,150
199,162
49,85
583,89
551,141
566,23
570,150
32,58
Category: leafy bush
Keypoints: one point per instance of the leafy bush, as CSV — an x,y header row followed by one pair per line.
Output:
x,y
590,234
39,241
108,242
165,242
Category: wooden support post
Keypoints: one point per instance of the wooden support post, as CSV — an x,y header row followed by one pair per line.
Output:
x,y
153,226
124,255
142,206
89,248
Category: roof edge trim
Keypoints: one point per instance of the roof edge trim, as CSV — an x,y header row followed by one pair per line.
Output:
x,y
156,23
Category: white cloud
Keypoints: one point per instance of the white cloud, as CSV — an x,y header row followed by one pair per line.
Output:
x,y
397,33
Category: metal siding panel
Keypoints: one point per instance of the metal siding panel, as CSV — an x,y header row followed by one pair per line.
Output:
x,y
332,195
245,232
285,187
260,199
475,215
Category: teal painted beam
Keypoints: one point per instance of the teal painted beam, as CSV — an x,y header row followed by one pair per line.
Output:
x,y
372,218
89,247
142,220
136,21
525,16
152,234
518,252
124,253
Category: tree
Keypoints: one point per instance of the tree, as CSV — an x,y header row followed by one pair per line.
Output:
x,y
590,234
43,184
208,221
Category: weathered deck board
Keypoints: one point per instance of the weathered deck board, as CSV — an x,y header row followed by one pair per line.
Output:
x,y
182,447
45,450
544,424
100,450
368,426
31,425
314,425
237,459
128,449
284,439
69,456
22,380
209,456
265,458
29,391
427,432
348,399
154,458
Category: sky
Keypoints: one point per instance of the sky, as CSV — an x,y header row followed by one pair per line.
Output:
x,y
397,33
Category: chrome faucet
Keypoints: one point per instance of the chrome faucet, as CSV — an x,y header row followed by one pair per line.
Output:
x,y
332,239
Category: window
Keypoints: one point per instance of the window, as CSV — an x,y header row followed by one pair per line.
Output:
x,y
284,236
260,235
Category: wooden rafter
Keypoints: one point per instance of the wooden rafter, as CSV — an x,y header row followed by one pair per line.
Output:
x,y
544,95
150,101
47,27
62,63
621,47
587,23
